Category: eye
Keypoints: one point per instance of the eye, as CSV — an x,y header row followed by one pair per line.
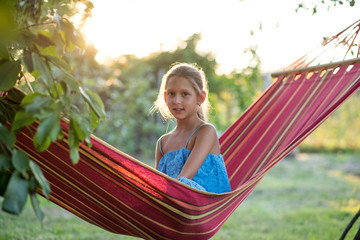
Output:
x,y
185,94
170,94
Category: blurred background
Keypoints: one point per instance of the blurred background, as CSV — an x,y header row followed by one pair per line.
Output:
x,y
132,43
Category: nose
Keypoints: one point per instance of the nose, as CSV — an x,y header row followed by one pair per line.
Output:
x,y
177,99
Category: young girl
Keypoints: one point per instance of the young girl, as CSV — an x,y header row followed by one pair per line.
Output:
x,y
190,152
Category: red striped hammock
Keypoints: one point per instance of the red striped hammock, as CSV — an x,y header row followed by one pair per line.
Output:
x,y
121,194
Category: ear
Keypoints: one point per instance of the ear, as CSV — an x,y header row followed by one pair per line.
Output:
x,y
203,96
165,97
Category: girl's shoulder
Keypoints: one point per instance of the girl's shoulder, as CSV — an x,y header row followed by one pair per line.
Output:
x,y
162,140
165,136
207,128
206,133
205,139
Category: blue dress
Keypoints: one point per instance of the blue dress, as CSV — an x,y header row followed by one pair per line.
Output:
x,y
211,176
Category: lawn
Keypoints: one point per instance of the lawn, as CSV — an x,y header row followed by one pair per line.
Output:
x,y
311,197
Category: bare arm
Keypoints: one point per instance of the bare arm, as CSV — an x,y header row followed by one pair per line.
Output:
x,y
158,154
206,142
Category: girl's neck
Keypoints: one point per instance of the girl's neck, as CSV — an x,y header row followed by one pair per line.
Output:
x,y
188,124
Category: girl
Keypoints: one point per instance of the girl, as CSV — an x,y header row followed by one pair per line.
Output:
x,y
190,152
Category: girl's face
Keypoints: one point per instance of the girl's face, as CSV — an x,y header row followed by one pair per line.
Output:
x,y
181,98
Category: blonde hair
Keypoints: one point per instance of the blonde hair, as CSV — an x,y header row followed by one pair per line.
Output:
x,y
196,77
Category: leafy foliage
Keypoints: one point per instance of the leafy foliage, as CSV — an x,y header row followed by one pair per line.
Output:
x,y
38,84
232,94
130,92
132,87
314,5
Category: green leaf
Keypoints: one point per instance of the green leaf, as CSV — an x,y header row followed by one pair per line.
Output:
x,y
20,161
64,87
7,24
71,34
4,181
80,126
36,206
72,82
27,38
41,144
48,51
15,195
94,119
22,119
32,184
60,47
94,102
7,136
5,162
59,63
73,137
69,45
4,53
73,142
15,95
78,131
78,39
88,141
42,67
28,99
28,61
7,112
64,74
35,102
47,131
44,39
41,180
36,74
53,125
74,154
57,90
9,71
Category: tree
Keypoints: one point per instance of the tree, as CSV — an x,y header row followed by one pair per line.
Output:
x,y
38,84
327,3
131,90
232,94
133,83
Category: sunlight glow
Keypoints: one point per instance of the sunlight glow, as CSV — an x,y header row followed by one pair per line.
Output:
x,y
141,27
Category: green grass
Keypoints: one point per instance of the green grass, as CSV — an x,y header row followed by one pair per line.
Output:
x,y
340,132
312,197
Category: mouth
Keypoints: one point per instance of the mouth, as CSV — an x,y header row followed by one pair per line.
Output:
x,y
178,109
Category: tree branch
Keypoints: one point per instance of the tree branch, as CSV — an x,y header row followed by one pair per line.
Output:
x,y
40,24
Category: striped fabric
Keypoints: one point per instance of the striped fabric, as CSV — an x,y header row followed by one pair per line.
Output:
x,y
121,194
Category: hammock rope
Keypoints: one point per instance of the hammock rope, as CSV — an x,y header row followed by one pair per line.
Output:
x,y
333,49
116,192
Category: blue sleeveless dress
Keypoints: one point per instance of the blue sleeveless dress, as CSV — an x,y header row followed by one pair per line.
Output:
x,y
211,176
